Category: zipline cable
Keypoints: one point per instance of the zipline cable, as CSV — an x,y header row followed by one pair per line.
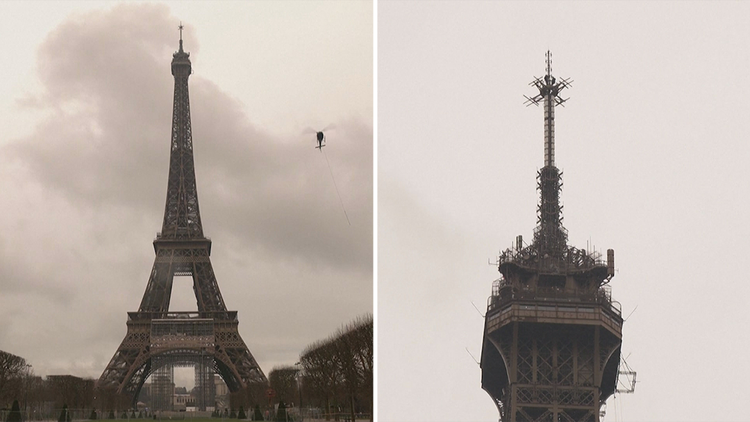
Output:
x,y
337,188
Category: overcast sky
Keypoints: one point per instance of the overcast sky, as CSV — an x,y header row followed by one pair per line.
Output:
x,y
85,106
654,148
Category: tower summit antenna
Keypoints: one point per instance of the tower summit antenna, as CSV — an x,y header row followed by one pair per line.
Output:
x,y
180,27
550,237
549,93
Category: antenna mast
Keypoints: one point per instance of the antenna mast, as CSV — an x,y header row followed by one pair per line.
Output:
x,y
549,93
550,236
180,27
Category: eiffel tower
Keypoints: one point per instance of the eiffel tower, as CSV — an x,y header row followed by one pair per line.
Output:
x,y
208,338
552,333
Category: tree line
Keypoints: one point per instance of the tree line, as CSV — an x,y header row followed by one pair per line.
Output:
x,y
42,398
334,374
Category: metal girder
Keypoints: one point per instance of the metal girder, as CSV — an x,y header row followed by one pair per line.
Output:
x,y
551,371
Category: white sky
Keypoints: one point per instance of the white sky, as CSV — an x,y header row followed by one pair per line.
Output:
x,y
653,144
85,107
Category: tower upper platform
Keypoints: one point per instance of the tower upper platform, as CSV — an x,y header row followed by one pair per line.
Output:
x,y
181,60
549,269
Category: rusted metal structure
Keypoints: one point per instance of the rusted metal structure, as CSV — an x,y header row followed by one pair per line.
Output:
x,y
552,334
209,338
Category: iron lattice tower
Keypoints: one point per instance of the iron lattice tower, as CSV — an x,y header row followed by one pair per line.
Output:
x,y
552,334
209,338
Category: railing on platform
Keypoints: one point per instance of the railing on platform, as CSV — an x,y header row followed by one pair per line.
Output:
x,y
555,312
503,292
216,315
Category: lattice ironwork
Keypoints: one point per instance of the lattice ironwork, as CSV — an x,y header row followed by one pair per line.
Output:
x,y
208,339
544,358
550,237
534,414
565,362
576,415
182,218
554,370
585,366
525,362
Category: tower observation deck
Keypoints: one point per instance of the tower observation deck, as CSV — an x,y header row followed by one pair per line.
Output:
x,y
552,334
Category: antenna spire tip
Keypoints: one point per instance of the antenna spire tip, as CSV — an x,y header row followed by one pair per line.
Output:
x,y
180,28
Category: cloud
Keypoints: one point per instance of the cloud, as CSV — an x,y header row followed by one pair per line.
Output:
x,y
86,190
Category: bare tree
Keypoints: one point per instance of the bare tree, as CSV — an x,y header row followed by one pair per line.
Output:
x,y
354,355
35,395
249,396
13,371
77,393
283,380
360,339
321,372
340,368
